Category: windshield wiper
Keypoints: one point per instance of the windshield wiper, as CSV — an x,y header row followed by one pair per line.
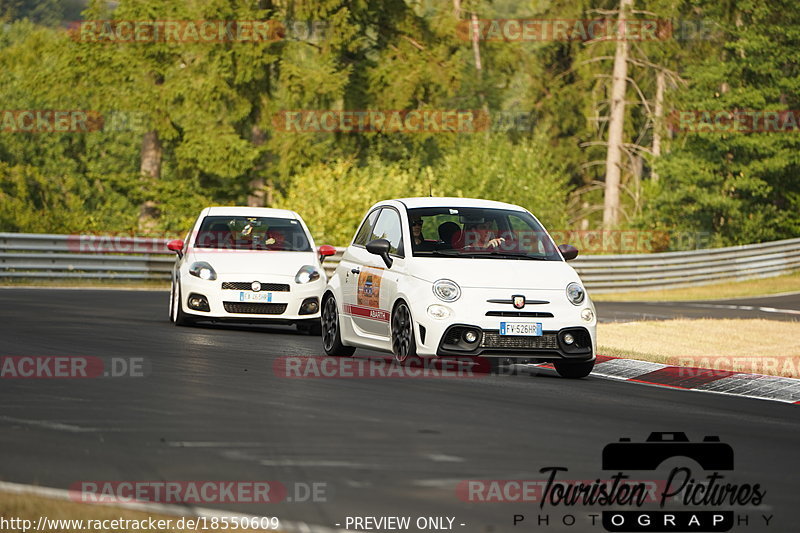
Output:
x,y
448,253
480,253
506,255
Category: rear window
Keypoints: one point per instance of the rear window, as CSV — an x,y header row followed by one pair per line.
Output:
x,y
252,233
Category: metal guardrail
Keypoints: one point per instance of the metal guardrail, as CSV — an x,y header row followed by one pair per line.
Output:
x,y
42,256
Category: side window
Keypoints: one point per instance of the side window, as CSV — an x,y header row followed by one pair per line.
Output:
x,y
365,231
388,227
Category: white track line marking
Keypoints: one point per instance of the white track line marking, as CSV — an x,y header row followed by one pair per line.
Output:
x,y
309,463
174,510
442,458
214,444
88,288
746,308
58,426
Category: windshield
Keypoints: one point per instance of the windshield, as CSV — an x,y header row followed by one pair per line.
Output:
x,y
479,232
252,233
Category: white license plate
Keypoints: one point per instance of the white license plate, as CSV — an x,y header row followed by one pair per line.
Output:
x,y
529,329
255,296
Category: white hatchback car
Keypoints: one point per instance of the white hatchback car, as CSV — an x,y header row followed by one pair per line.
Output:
x,y
248,264
455,277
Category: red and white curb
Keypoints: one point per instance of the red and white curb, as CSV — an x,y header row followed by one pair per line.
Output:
x,y
775,388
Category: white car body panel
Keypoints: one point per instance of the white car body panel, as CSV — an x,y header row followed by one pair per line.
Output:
x,y
247,266
365,320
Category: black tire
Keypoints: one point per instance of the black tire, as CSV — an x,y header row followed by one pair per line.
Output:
x,y
404,346
572,370
172,302
331,334
310,328
181,318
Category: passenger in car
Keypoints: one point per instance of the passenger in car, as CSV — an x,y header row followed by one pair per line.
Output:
x,y
418,242
447,234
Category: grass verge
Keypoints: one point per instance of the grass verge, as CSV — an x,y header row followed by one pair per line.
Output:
x,y
154,284
743,345
717,291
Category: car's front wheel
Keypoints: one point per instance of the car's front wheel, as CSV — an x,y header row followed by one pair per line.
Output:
x,y
178,316
331,333
404,347
172,302
569,369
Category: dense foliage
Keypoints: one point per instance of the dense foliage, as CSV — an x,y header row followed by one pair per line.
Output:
x,y
208,111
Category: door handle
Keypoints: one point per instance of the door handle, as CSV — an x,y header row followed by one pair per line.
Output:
x,y
355,271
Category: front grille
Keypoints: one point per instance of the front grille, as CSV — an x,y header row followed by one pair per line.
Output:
x,y
247,286
493,339
254,309
520,314
452,336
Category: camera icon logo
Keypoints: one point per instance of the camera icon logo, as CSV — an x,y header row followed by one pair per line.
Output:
x,y
710,454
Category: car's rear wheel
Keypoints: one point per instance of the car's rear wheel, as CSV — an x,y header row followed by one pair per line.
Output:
x,y
331,333
178,316
404,347
569,369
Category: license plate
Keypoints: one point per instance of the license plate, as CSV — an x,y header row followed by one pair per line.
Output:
x,y
255,296
528,329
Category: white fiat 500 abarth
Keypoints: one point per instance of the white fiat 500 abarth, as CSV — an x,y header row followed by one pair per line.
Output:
x,y
248,264
456,277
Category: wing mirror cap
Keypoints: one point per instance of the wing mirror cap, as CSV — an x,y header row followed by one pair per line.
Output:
x,y
568,251
325,250
381,247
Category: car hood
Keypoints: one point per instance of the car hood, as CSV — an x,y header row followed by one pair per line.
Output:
x,y
497,273
252,261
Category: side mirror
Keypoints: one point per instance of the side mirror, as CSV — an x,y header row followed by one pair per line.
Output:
x,y
381,247
326,251
568,251
176,246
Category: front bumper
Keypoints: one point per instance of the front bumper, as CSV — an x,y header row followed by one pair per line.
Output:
x,y
550,346
282,300
485,309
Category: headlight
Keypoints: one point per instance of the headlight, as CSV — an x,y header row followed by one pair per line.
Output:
x,y
575,293
446,290
202,270
306,274
438,312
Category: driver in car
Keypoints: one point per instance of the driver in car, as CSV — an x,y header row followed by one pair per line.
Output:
x,y
482,235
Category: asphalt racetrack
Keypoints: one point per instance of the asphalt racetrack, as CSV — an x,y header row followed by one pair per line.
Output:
x,y
211,407
778,307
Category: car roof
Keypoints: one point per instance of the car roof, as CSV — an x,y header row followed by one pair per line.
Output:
x,y
446,201
250,212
